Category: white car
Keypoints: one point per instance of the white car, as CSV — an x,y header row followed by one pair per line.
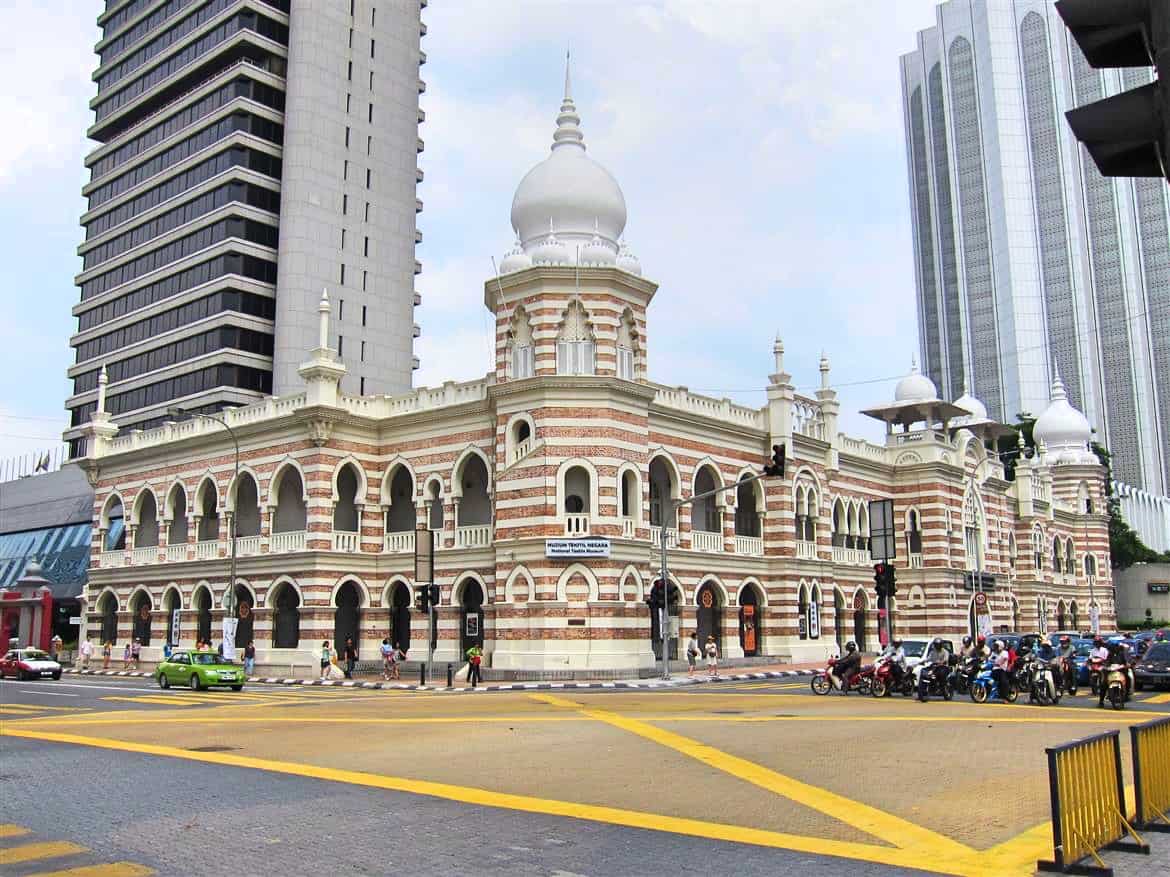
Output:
x,y
915,649
29,664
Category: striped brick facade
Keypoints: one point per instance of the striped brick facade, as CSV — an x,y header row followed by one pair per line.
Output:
x,y
498,466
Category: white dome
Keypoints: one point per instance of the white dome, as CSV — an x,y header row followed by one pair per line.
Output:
x,y
915,387
570,190
627,261
1062,431
515,260
977,409
598,252
550,250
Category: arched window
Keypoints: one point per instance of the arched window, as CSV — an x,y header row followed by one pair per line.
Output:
x,y
146,531
576,500
475,507
802,611
286,623
627,332
115,525
207,508
1090,565
247,506
1057,556
575,347
347,512
291,514
400,513
840,524
705,512
203,614
663,488
806,513
630,499
1084,499
973,530
747,509
1070,557
1038,550
913,532
177,503
434,506
523,361
1013,550
347,616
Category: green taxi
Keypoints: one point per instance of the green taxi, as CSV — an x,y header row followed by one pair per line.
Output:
x,y
198,670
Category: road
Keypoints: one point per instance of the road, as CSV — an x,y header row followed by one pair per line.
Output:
x,y
118,778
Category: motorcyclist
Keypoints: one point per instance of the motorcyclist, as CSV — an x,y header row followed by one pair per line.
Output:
x,y
847,666
936,659
1067,656
1098,657
1116,655
982,652
896,656
967,649
1001,668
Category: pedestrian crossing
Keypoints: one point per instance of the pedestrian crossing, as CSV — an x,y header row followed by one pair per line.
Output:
x,y
30,710
66,859
280,697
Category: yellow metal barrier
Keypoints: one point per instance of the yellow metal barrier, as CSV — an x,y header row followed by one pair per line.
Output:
x,y
1088,804
1150,745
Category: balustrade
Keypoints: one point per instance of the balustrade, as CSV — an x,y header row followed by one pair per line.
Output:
x,y
671,537
703,541
629,527
753,546
576,525
177,553
402,542
145,555
344,540
283,543
806,550
474,536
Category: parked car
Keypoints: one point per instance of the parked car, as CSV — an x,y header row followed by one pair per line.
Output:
x,y
1154,667
199,670
916,648
29,664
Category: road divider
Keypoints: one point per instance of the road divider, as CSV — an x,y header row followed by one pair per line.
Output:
x,y
1150,747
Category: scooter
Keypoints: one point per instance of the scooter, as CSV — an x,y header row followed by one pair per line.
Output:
x,y
1096,670
887,679
1068,676
962,674
860,681
1116,682
1042,687
984,687
933,679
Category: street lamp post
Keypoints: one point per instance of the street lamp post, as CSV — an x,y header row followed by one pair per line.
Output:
x,y
231,591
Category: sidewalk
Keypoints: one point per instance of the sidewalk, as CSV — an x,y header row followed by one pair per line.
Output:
x,y
677,680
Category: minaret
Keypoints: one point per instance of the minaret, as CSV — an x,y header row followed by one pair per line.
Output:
x,y
781,394
323,371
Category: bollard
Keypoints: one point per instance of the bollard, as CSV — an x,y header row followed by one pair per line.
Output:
x,y
422,674
450,676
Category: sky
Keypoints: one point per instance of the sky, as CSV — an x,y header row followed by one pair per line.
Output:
x,y
759,146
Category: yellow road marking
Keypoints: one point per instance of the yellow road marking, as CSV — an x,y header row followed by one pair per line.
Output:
x,y
114,869
131,717
1158,698
32,707
923,860
1006,720
7,830
152,698
32,852
871,820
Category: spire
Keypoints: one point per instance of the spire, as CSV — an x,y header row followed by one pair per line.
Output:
x,y
568,133
323,317
1058,394
913,363
103,380
778,352
824,366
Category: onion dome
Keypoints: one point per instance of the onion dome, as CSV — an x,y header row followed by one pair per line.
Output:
x,y
515,260
915,387
550,251
977,409
598,252
1062,430
579,195
627,261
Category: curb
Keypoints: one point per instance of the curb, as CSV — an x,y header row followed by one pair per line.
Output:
x,y
638,684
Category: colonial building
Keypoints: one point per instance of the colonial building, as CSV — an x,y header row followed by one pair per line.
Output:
x,y
547,485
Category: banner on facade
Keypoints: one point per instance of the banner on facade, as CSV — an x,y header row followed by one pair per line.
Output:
x,y
574,548
229,638
814,620
1094,619
175,627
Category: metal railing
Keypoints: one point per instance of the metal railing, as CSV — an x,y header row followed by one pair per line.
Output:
x,y
1150,746
753,546
473,536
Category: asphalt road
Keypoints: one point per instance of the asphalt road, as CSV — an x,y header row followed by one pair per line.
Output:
x,y
759,777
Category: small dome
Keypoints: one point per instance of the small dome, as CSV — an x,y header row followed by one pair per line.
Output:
x,y
915,387
1063,431
580,196
977,409
598,252
627,261
550,251
515,260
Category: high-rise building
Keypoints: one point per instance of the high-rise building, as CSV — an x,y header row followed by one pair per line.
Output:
x,y
250,153
1027,259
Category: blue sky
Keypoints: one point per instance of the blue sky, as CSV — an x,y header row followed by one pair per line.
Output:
x,y
759,146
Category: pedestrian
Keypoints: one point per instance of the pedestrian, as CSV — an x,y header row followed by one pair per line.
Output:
x,y
135,653
107,651
474,658
326,655
350,656
712,650
398,658
86,654
126,656
167,650
250,658
387,658
55,647
692,652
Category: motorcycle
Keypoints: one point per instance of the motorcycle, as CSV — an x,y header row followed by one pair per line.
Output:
x,y
933,679
1068,676
984,687
1042,687
887,679
962,674
861,681
1117,684
1096,669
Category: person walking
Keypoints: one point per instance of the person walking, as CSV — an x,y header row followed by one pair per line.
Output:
x,y
326,655
474,658
135,653
387,658
107,653
55,647
396,659
126,657
250,658
86,654
692,653
351,656
712,651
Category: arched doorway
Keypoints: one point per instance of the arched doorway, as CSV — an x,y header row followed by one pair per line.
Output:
x,y
286,626
839,619
245,616
1074,616
108,607
709,615
1061,619
749,621
346,615
203,615
400,616
141,610
859,620
471,600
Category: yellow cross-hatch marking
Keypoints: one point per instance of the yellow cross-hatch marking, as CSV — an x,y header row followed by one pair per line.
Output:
x,y
7,830
921,859
33,852
152,698
1158,698
34,707
113,869
871,820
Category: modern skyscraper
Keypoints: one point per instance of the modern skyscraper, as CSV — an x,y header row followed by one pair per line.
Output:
x,y
1027,259
251,153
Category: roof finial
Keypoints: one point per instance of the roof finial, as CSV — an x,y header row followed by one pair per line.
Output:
x,y
824,367
914,363
778,352
103,380
568,132
323,320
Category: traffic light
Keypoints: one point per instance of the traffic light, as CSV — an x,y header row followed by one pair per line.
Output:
x,y
433,595
1128,134
776,468
421,598
884,580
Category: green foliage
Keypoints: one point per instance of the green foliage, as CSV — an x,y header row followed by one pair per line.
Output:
x,y
1125,546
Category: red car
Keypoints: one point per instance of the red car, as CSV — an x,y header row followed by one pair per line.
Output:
x,y
29,664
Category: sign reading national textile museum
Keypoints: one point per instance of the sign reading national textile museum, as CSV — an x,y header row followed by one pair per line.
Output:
x,y
574,548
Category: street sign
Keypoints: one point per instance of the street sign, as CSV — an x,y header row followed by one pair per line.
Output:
x,y
175,627
75,619
573,548
882,538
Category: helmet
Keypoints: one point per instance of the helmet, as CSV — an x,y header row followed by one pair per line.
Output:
x,y
851,646
1098,640
1064,640
897,643
937,643
981,639
999,644
966,640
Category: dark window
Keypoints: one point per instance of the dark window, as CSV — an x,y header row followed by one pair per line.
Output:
x,y
349,72
361,386
363,315
340,345
347,136
370,114
366,247
371,48
243,377
368,177
343,274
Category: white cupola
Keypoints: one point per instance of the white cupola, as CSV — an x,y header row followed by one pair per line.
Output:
x,y
1062,432
915,387
515,259
978,411
550,250
627,261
